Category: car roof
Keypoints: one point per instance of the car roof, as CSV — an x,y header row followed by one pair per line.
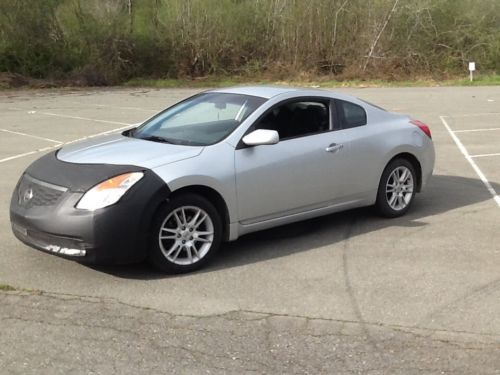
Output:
x,y
268,92
261,91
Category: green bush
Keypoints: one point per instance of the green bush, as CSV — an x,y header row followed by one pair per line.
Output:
x,y
110,41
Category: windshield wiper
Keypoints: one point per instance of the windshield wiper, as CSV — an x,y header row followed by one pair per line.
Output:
x,y
156,138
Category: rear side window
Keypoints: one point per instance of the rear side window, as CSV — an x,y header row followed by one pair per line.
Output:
x,y
351,115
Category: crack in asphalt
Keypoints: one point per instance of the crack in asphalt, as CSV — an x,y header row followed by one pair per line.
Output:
x,y
256,315
349,286
62,333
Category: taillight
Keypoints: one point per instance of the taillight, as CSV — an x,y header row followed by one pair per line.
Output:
x,y
423,127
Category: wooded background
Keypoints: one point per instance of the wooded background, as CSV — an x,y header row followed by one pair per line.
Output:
x,y
111,41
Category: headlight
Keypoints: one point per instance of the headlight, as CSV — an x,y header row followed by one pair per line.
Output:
x,y
108,192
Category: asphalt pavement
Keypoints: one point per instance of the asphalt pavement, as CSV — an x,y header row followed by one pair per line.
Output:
x,y
346,293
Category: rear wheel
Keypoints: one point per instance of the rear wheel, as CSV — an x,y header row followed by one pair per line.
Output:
x,y
396,189
185,235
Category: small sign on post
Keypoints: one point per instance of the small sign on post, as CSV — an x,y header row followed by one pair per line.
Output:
x,y
472,68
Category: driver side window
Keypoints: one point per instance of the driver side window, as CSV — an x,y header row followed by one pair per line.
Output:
x,y
297,119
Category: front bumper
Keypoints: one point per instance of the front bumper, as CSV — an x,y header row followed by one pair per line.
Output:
x,y
114,234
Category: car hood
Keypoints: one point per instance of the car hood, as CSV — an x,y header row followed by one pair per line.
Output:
x,y
120,150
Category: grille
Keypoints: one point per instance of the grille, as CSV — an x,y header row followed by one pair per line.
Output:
x,y
35,193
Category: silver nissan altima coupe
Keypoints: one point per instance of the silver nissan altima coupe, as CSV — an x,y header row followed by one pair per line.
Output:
x,y
215,166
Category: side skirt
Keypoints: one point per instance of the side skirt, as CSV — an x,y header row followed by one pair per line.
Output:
x,y
245,228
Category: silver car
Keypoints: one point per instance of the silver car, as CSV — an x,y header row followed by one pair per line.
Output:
x,y
216,166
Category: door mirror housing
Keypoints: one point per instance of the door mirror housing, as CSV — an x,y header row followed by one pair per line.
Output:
x,y
261,137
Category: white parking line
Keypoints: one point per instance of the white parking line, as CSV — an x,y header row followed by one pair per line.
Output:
x,y
29,153
484,155
476,130
83,118
471,161
33,112
29,135
118,107
65,143
103,133
477,114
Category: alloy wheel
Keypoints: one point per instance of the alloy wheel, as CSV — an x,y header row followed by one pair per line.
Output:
x,y
399,188
186,235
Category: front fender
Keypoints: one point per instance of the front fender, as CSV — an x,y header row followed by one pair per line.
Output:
x,y
213,168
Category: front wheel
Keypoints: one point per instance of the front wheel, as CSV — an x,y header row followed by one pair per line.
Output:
x,y
186,234
396,189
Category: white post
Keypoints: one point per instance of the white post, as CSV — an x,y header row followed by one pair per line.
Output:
x,y
472,68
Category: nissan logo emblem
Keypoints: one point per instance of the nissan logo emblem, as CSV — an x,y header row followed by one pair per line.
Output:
x,y
28,195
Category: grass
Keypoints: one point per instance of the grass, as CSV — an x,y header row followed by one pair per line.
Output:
x,y
10,288
491,79
480,80
6,288
215,81
193,83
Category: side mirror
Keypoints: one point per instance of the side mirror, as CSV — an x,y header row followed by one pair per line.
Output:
x,y
261,137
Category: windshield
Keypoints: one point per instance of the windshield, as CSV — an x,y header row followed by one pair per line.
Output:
x,y
201,120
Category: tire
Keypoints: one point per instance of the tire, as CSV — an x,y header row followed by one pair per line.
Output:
x,y
396,189
182,238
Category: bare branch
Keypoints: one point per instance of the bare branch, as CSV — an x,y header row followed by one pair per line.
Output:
x,y
375,41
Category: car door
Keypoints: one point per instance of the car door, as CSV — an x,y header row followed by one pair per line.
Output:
x,y
305,170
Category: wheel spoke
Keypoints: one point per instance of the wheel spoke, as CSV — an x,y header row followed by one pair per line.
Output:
x,y
190,255
168,237
172,249
204,233
195,250
397,175
184,221
195,217
199,239
169,230
401,202
200,221
403,176
392,199
177,219
177,253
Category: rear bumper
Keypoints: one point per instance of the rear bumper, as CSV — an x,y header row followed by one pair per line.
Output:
x,y
427,161
114,234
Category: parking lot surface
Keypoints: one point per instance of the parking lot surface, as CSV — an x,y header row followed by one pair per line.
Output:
x,y
346,293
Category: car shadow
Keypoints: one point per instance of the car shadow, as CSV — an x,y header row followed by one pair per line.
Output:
x,y
444,193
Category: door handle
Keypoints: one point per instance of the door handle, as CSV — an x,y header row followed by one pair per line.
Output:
x,y
334,147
